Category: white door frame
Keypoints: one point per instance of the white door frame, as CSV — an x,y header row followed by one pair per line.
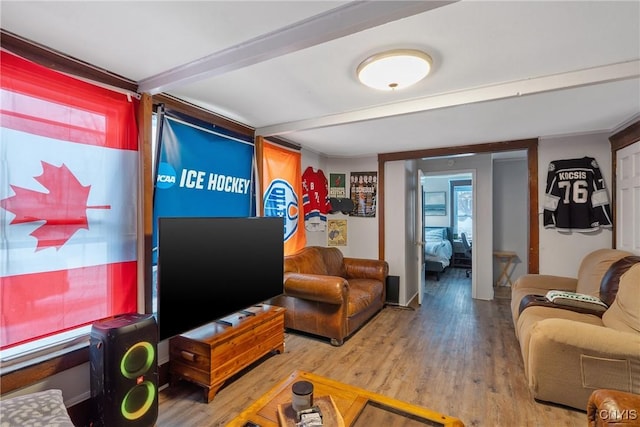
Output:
x,y
419,233
627,200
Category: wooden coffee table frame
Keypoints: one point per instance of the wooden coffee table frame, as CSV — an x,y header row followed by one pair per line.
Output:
x,y
350,401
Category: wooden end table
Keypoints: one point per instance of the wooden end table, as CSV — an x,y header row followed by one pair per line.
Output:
x,y
357,406
505,259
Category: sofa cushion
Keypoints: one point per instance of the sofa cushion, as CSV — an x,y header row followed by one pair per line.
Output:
x,y
334,262
362,294
309,260
537,284
624,313
593,268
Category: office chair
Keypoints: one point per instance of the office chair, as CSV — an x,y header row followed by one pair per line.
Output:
x,y
467,250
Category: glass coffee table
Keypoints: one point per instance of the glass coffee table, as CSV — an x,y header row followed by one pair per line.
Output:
x,y
357,406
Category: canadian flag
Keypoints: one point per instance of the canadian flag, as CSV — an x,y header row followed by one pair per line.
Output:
x,y
68,212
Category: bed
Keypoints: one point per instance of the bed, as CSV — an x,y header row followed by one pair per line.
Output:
x,y
438,250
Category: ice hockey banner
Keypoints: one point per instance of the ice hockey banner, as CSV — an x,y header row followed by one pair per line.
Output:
x,y
201,173
68,202
282,196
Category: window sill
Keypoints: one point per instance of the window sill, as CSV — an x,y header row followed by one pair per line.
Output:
x,y
25,373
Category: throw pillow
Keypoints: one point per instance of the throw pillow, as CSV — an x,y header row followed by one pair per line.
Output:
x,y
435,234
43,408
574,299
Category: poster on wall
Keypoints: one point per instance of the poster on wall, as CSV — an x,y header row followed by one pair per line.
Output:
x,y
435,203
337,234
363,193
337,185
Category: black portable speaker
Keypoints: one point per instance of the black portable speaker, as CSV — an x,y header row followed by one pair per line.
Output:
x,y
124,371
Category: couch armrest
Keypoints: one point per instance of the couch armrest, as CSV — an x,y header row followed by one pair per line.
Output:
x,y
613,408
359,268
568,359
546,282
316,287
562,334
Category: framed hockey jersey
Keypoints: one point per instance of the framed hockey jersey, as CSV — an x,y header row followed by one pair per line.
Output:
x,y
576,197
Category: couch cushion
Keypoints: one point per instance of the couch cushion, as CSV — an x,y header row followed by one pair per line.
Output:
x,y
593,268
308,260
333,261
362,293
624,313
537,284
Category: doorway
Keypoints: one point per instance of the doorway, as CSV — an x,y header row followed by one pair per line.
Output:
x,y
443,223
389,244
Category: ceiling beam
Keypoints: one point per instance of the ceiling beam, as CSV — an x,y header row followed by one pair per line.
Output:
x,y
353,17
554,82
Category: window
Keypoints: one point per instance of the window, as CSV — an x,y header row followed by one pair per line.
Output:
x,y
68,204
462,208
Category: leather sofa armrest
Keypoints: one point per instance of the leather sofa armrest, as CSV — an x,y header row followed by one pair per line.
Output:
x,y
316,287
613,408
359,268
546,282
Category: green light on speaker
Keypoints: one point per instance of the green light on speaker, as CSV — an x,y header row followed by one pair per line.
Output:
x,y
137,360
138,400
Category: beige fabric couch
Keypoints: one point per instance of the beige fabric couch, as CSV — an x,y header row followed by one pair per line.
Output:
x,y
568,354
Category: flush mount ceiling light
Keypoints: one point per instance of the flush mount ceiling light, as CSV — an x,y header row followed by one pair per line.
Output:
x,y
394,69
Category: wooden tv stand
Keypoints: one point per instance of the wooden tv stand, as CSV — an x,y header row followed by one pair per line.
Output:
x,y
212,353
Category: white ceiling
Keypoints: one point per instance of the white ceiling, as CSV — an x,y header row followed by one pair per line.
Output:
x,y
503,70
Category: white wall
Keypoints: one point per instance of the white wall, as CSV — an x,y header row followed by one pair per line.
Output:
x,y
511,213
395,225
362,233
561,253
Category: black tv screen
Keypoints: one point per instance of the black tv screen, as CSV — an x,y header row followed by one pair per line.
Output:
x,y
210,268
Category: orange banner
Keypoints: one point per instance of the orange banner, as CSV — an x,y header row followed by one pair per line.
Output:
x,y
282,196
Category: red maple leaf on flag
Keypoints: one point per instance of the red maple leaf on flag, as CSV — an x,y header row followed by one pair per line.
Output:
x,y
63,209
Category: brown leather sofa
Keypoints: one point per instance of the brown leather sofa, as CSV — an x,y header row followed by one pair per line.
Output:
x,y
569,352
613,408
329,295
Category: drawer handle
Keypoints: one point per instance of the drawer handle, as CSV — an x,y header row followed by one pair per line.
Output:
x,y
191,357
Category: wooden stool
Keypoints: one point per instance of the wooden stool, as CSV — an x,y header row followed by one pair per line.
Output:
x,y
505,258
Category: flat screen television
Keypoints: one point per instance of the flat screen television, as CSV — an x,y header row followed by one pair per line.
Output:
x,y
210,268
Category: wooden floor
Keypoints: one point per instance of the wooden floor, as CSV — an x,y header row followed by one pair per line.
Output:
x,y
453,354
